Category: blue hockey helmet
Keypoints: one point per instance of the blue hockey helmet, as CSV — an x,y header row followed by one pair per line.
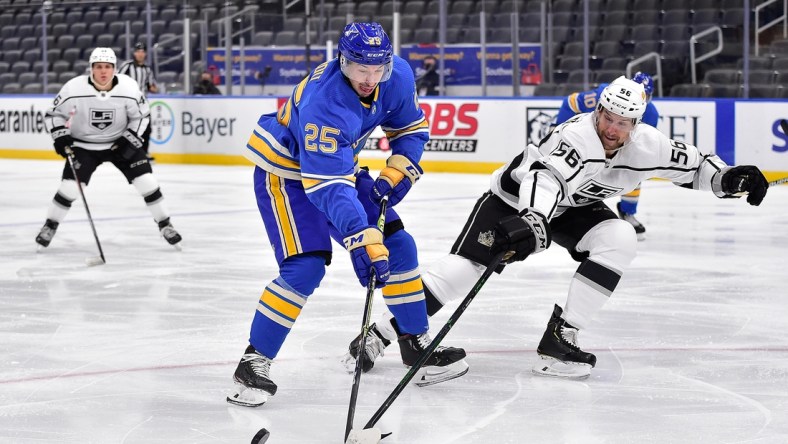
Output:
x,y
646,81
366,44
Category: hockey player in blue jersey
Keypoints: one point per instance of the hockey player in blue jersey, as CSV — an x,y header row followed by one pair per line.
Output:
x,y
585,102
310,189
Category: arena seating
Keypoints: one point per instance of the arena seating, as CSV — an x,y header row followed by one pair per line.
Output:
x,y
620,30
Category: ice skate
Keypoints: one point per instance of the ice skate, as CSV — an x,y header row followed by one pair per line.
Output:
x,y
640,230
169,234
559,354
373,348
46,234
444,363
253,385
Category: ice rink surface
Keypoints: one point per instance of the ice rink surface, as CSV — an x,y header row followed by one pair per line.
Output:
x,y
692,347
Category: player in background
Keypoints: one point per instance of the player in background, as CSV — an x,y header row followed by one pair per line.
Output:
x,y
99,117
555,191
585,102
310,189
137,69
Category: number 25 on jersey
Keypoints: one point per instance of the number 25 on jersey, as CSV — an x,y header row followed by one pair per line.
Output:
x,y
320,138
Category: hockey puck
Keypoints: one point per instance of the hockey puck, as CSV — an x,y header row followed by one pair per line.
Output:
x,y
261,436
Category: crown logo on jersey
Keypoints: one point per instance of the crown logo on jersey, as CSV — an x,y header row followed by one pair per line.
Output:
x,y
486,238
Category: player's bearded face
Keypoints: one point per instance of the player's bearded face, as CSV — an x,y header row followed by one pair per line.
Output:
x,y
103,72
364,78
613,130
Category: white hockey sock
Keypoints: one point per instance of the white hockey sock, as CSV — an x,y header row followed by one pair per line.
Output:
x,y
148,187
612,246
66,194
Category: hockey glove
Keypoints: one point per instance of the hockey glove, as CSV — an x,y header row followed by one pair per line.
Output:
x,y
745,179
520,236
127,145
395,180
368,255
63,139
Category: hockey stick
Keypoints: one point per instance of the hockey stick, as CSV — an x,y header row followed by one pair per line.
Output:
x,y
91,260
351,412
437,340
778,181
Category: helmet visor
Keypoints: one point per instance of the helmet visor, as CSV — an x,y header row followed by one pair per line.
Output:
x,y
366,74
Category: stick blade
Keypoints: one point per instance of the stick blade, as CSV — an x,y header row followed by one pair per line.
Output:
x,y
93,261
364,436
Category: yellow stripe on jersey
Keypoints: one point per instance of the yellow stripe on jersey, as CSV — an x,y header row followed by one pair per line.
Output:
x,y
633,193
374,98
270,154
309,184
403,288
422,125
283,116
283,214
573,102
299,90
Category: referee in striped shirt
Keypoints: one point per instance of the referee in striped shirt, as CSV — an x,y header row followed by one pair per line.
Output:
x,y
143,75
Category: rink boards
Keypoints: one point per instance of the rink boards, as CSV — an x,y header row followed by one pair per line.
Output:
x,y
467,134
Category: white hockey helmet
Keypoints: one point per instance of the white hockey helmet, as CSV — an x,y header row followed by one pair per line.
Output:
x,y
103,55
625,98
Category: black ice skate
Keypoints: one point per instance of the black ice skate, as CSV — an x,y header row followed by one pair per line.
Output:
x,y
373,348
558,352
252,380
47,233
444,363
169,234
640,230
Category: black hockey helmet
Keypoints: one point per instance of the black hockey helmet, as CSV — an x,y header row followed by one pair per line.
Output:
x,y
140,46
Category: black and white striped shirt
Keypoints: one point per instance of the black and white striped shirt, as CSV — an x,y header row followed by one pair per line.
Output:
x,y
142,74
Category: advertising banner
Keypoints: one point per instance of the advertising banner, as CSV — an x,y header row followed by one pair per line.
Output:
x,y
462,63
22,123
467,134
203,125
760,140
693,122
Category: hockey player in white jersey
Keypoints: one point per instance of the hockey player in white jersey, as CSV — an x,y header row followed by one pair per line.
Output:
x,y
100,117
554,192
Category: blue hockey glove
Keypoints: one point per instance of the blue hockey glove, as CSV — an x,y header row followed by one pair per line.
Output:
x,y
745,179
395,180
368,253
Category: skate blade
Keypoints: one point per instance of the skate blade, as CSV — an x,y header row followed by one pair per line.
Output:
x,y
177,246
435,375
549,366
247,397
40,248
641,237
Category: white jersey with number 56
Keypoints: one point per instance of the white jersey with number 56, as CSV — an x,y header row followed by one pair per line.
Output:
x,y
568,168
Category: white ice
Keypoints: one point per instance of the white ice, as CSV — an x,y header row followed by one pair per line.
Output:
x,y
691,348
